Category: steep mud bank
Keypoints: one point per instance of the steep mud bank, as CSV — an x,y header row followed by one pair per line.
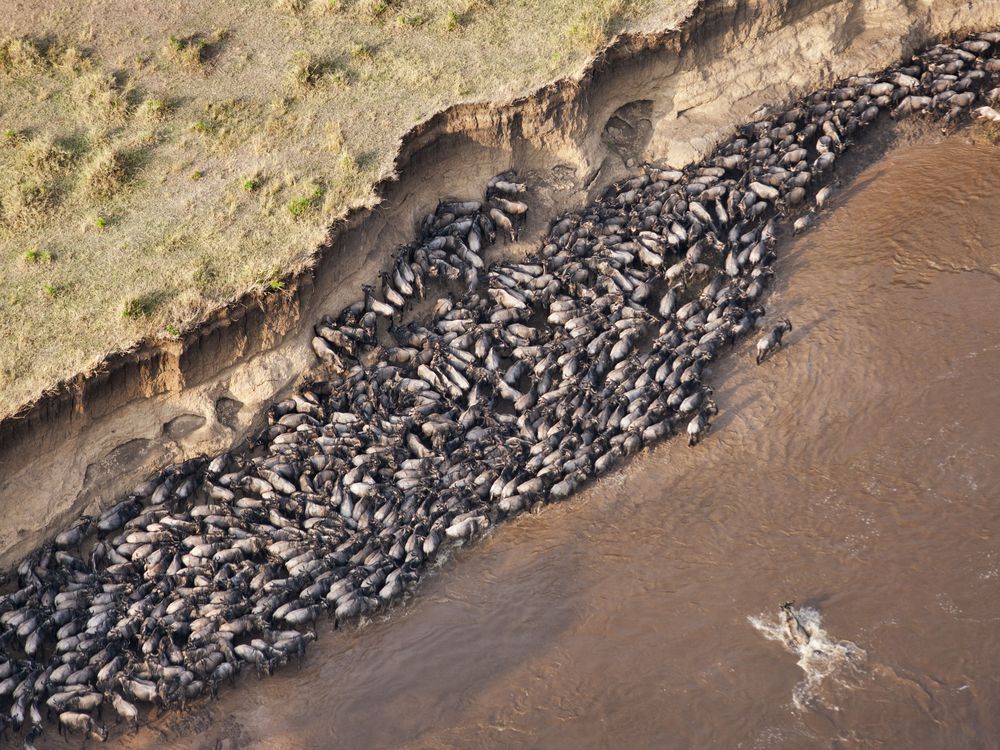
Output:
x,y
665,96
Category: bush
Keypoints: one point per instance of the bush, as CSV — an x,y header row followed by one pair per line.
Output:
x,y
298,207
307,71
270,278
105,173
153,109
42,157
139,307
290,6
362,52
27,202
205,275
21,56
188,51
413,21
37,256
375,9
100,98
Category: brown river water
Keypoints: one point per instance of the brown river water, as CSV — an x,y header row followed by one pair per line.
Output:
x,y
856,472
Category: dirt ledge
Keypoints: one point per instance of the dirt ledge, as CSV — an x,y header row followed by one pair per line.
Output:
x,y
666,96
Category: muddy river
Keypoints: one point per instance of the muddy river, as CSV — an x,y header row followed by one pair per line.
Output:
x,y
856,472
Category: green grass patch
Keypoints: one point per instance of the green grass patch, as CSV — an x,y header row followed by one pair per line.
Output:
x,y
411,20
270,278
153,109
299,207
375,9
142,306
37,256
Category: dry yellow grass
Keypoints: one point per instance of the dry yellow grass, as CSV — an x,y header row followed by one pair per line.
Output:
x,y
985,132
156,161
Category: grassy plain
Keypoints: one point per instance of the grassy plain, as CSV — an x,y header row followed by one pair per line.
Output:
x,y
159,159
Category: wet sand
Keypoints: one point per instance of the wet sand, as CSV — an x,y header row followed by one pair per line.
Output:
x,y
856,472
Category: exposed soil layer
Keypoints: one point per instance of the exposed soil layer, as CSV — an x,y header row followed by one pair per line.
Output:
x,y
669,95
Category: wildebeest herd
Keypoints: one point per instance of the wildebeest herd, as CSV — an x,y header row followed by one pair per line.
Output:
x,y
528,379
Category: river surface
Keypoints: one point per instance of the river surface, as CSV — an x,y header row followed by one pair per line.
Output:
x,y
857,472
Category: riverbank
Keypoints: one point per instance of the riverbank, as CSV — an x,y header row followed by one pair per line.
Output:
x,y
97,435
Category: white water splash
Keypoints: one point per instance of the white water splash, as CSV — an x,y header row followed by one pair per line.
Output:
x,y
820,657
